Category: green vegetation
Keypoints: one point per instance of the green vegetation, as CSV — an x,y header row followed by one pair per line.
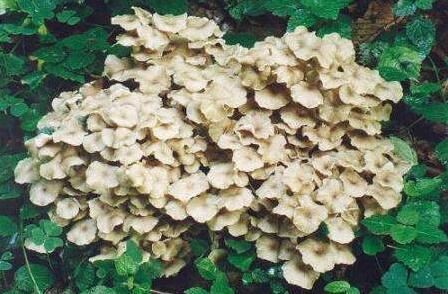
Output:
x,y
49,46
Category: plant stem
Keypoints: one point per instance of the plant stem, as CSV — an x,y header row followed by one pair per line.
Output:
x,y
27,263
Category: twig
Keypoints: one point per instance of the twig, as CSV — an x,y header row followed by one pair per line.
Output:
x,y
27,263
384,29
159,292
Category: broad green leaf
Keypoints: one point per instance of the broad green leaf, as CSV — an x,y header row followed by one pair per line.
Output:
x,y
337,287
8,227
342,26
239,246
282,7
39,10
99,290
422,187
403,234
244,39
435,112
196,290
328,9
420,211
424,89
5,266
258,275
175,7
414,256
247,8
51,243
404,7
42,276
302,17
125,265
428,234
372,245
395,277
424,4
442,152
38,236
379,224
50,228
241,261
421,32
68,16
399,63
404,150
206,268
134,251
422,278
199,247
149,271
440,273
221,285
85,276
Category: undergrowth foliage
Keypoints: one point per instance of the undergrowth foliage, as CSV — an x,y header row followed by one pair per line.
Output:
x,y
47,46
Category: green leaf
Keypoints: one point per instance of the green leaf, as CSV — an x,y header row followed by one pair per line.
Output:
x,y
8,227
420,211
395,279
5,266
149,271
42,276
50,228
85,276
68,16
196,290
379,224
39,10
199,247
99,290
435,112
422,187
337,287
404,150
221,285
403,234
125,265
241,261
422,33
239,246
33,79
440,273
134,251
399,63
424,89
302,17
51,243
258,275
422,278
442,152
206,268
424,4
244,39
414,256
328,9
428,234
372,245
247,8
404,7
342,26
174,7
38,236
282,7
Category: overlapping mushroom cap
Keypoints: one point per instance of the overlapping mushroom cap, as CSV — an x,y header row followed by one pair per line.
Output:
x,y
268,144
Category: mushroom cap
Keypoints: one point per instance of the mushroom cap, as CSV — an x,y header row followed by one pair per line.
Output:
x,y
189,187
297,273
83,232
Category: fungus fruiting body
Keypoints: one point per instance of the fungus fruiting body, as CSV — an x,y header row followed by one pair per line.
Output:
x,y
267,144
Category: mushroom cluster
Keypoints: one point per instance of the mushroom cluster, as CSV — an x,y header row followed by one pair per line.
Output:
x,y
268,144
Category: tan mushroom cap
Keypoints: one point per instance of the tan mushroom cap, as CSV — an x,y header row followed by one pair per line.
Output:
x,y
203,207
83,232
305,95
26,171
268,248
297,273
67,208
43,193
189,187
246,159
235,198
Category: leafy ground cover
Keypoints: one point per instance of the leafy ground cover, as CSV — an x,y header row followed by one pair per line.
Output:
x,y
47,46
